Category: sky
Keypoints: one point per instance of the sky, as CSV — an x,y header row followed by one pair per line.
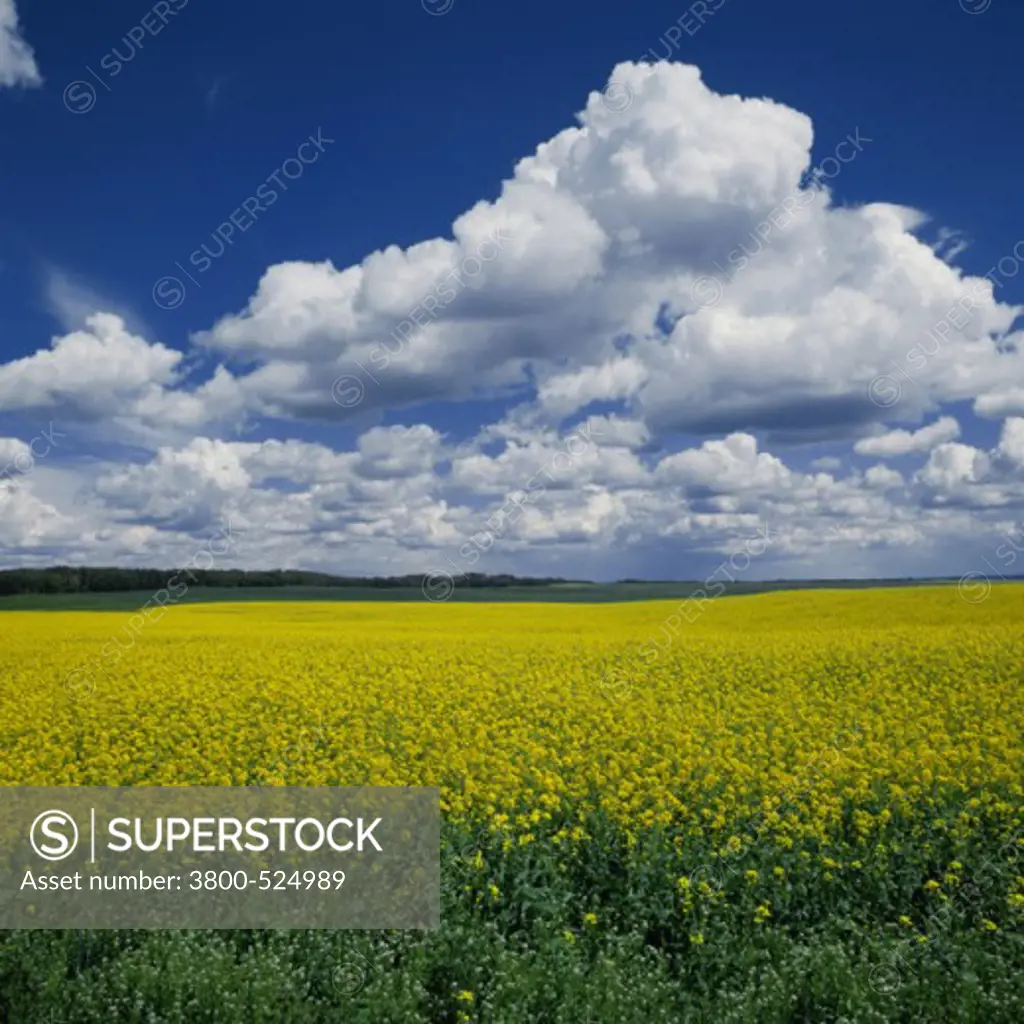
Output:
x,y
595,291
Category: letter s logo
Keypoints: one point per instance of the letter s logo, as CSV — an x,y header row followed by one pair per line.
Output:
x,y
53,825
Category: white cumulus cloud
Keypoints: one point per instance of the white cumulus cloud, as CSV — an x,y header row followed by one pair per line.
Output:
x,y
903,442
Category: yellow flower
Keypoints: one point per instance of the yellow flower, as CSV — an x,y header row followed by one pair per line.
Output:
x,y
465,996
530,746
590,919
697,938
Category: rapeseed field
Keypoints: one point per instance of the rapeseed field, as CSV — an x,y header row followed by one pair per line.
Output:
x,y
803,806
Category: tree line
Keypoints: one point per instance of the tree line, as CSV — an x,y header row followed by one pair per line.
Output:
x,y
65,579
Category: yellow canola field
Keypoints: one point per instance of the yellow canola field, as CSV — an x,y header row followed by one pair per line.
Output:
x,y
893,701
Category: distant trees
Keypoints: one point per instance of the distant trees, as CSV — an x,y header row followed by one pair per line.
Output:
x,y
64,579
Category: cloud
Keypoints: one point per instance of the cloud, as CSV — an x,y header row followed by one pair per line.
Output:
x,y
578,285
883,477
673,277
118,383
903,442
597,256
951,467
88,369
388,506
581,238
72,302
1011,442
214,91
960,474
731,465
17,62
1000,402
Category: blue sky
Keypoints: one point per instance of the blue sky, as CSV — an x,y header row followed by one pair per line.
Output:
x,y
132,133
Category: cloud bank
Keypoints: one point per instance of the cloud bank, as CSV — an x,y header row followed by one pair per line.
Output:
x,y
669,279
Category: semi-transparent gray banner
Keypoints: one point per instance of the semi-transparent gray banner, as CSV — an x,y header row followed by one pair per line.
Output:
x,y
219,857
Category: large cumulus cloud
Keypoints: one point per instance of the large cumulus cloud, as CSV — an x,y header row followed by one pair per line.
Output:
x,y
670,275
